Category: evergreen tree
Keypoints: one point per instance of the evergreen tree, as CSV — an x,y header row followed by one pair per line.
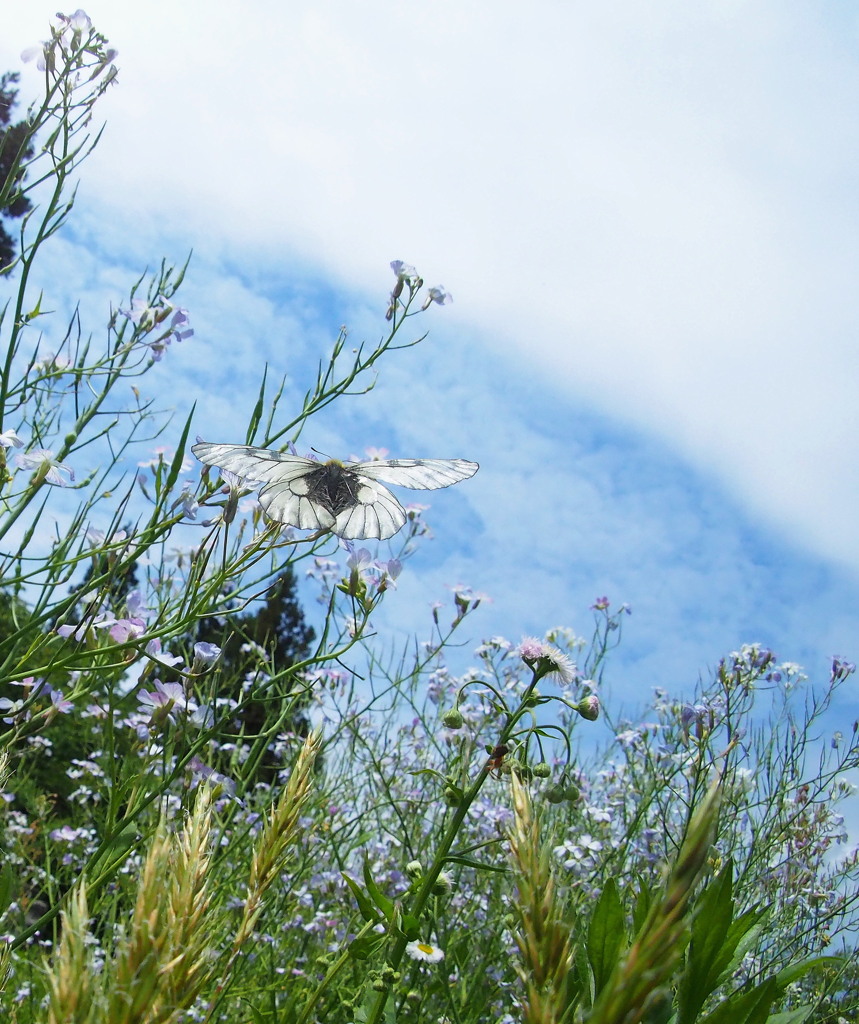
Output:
x,y
269,637
12,137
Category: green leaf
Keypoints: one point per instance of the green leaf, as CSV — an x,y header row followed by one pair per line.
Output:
x,y
606,935
745,1008
714,942
366,946
178,458
795,1016
793,973
256,415
368,911
7,882
469,862
643,902
376,895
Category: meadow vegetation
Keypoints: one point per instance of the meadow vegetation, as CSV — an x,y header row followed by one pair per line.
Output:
x,y
213,813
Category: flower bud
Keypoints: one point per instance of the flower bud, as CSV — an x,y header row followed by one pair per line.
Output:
x,y
442,885
452,719
414,869
542,770
589,708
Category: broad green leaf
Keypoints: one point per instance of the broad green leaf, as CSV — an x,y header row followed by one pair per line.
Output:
x,y
745,1008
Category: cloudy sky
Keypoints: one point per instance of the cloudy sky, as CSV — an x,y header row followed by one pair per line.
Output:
x,y
647,216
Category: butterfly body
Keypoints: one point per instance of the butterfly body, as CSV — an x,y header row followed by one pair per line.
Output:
x,y
346,498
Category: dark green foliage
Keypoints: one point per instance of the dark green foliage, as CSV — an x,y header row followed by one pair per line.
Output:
x,y
261,644
12,140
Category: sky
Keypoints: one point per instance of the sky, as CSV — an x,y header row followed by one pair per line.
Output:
x,y
647,217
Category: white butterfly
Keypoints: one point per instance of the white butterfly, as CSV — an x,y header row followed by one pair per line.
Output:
x,y
343,497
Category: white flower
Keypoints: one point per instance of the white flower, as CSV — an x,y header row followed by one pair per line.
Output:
x,y
424,951
9,439
46,466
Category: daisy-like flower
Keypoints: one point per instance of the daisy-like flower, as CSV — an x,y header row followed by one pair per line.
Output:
x,y
546,660
425,951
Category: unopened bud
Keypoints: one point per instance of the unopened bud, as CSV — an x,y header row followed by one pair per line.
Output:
x,y
589,708
452,719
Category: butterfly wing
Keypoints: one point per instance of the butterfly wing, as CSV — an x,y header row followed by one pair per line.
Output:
x,y
285,497
374,513
255,465
419,474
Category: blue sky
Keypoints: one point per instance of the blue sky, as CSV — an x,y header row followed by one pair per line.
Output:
x,y
647,216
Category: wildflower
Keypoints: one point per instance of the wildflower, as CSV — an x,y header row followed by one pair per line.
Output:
x,y
188,500
80,21
438,295
9,439
61,705
13,708
205,654
545,660
424,951
841,669
124,630
38,53
47,468
404,271
600,604
202,771
153,649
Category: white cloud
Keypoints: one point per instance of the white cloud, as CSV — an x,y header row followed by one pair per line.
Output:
x,y
653,203
646,208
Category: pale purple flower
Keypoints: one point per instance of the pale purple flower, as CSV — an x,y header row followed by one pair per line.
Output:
x,y
179,325
124,630
188,501
66,834
404,271
438,295
80,21
203,717
153,649
203,771
9,439
61,704
135,605
164,700
78,631
205,654
360,560
37,53
841,669
13,708
46,466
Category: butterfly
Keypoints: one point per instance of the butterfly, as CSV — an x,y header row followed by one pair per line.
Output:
x,y
346,498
